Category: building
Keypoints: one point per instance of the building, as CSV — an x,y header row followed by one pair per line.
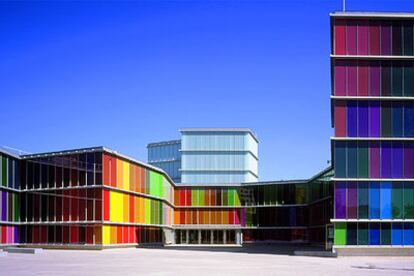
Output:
x,y
372,65
219,155
97,198
208,156
167,156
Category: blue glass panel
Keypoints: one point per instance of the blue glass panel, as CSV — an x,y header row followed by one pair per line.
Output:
x,y
374,234
374,200
408,120
386,200
352,119
408,234
397,234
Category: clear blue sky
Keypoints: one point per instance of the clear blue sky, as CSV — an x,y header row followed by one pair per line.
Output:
x,y
126,74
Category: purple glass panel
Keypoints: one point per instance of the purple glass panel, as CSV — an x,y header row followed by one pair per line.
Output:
x,y
352,79
397,160
352,200
363,38
363,119
386,40
408,160
340,200
243,217
351,39
374,160
352,119
374,119
3,206
374,79
386,160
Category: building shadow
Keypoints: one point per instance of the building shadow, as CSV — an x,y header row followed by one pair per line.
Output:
x,y
270,248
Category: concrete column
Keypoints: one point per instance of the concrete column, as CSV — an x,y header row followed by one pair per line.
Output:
x,y
211,237
224,236
187,236
199,236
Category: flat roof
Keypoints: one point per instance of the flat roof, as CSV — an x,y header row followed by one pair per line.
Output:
x,y
162,143
218,129
408,15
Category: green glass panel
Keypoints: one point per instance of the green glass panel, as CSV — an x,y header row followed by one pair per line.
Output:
x,y
362,233
201,197
340,159
386,119
161,213
397,200
409,200
231,197
147,211
363,160
352,159
396,81
4,171
385,233
194,197
237,198
340,233
362,200
409,80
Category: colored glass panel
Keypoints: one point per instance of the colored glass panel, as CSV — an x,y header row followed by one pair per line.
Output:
x,y
397,200
374,200
386,200
408,200
340,37
352,200
363,119
363,196
340,233
374,234
385,234
374,119
340,200
363,159
397,234
363,234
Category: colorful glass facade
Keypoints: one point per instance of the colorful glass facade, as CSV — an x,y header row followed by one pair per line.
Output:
x,y
372,64
97,198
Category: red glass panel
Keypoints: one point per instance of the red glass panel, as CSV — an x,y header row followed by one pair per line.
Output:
x,y
339,37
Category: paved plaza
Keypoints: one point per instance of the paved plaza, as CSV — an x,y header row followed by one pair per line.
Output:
x,y
192,261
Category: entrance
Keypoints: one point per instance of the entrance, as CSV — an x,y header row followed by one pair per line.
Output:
x,y
206,236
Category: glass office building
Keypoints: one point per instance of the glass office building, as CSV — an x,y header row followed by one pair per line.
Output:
x,y
219,155
372,65
167,156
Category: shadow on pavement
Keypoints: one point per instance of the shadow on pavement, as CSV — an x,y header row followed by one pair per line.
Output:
x,y
276,249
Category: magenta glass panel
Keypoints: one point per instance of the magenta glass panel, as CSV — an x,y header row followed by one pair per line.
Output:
x,y
374,79
363,119
374,119
386,160
352,200
351,39
363,38
397,160
374,160
340,200
340,78
408,160
352,80
386,39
